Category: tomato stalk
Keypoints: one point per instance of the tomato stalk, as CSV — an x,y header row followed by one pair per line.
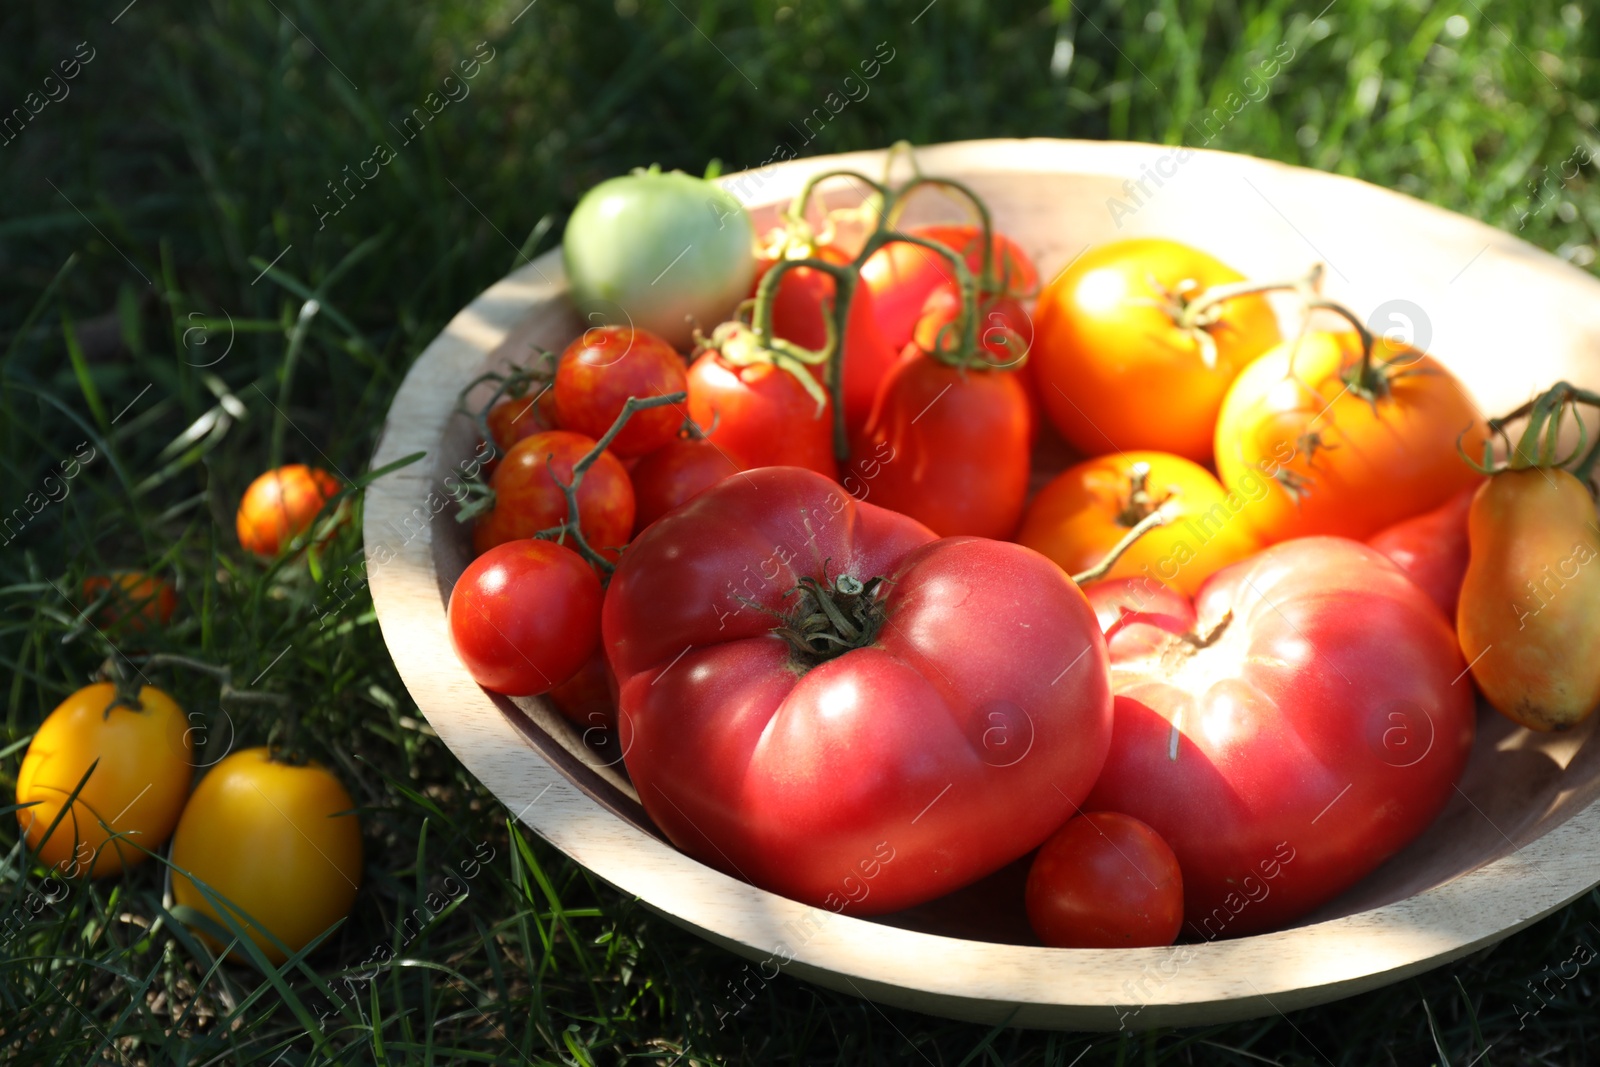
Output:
x,y
1103,568
1539,443
1198,314
831,618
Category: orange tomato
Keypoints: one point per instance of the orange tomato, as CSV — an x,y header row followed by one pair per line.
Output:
x,y
281,505
1088,508
137,789
278,841
138,600
1116,371
1527,617
1345,459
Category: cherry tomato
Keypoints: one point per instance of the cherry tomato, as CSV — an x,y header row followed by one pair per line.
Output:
x,y
761,415
800,309
1341,457
1105,880
1114,368
605,366
281,505
279,842
588,699
949,447
900,275
512,420
674,473
1088,508
917,733
137,789
1432,549
524,616
1528,618
137,600
659,251
1303,729
527,499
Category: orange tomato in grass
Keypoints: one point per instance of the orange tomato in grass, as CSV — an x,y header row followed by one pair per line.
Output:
x,y
1088,508
1353,450
1116,370
133,599
281,505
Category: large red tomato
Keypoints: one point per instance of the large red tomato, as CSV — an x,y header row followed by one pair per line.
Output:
x,y
949,715
1298,728
799,311
762,415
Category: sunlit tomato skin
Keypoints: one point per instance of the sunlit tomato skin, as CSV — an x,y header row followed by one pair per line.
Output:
x,y
1088,508
1432,549
601,369
525,616
528,500
950,448
1528,617
761,415
1341,463
1138,616
512,420
138,787
804,297
1306,729
674,473
900,275
1105,880
953,741
1116,372
137,601
281,505
280,843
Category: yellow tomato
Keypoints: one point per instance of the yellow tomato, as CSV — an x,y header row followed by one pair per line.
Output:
x,y
137,788
280,843
1526,618
1087,509
1114,367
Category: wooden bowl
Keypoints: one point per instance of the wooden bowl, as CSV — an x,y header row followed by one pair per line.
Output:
x,y
1517,842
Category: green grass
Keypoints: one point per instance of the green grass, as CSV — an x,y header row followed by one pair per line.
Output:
x,y
141,213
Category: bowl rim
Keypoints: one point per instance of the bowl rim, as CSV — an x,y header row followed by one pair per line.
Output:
x,y
970,980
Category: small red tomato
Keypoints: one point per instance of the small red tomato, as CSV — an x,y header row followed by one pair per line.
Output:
x,y
673,474
588,699
762,415
528,500
512,420
1432,549
900,275
948,447
281,505
525,617
1105,881
605,366
138,600
799,313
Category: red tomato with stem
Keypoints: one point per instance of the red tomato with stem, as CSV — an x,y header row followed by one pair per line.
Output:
x,y
1432,549
525,616
1105,880
900,275
601,369
281,505
941,723
675,473
762,415
953,446
528,500
1305,730
800,311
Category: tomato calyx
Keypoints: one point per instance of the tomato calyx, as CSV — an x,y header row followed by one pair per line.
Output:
x,y
831,617
1539,444
740,344
1141,504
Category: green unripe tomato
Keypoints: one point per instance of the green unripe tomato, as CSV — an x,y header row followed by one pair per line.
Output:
x,y
652,250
